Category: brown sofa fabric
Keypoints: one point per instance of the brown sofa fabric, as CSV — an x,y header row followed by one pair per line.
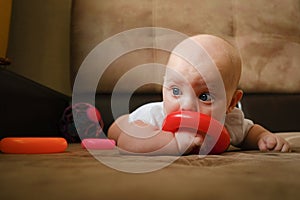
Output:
x,y
267,34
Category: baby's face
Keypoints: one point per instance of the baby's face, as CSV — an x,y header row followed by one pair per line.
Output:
x,y
186,88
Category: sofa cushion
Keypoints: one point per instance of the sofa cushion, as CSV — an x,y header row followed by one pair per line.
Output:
x,y
267,34
94,21
268,37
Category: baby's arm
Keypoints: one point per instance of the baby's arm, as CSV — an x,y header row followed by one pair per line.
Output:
x,y
264,140
138,137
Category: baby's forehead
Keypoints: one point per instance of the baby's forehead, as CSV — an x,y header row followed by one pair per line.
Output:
x,y
188,74
206,75
204,65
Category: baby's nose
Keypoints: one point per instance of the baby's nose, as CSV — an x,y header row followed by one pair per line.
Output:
x,y
189,104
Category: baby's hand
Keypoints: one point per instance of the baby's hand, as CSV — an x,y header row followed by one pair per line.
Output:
x,y
272,142
187,141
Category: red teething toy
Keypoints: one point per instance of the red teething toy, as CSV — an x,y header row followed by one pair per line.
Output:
x,y
202,123
33,145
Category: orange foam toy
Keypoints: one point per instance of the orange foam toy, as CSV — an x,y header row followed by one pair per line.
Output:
x,y
33,145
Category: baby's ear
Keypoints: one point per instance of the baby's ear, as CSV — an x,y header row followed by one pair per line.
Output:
x,y
237,96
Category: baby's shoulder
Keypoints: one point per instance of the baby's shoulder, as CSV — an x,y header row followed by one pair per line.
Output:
x,y
151,113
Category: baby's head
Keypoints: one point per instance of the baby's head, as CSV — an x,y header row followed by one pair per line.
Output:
x,y
202,75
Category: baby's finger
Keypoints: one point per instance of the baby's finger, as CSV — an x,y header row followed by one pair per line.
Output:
x,y
262,145
198,140
271,142
286,148
279,144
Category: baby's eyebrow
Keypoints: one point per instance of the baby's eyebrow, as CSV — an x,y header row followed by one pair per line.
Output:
x,y
198,83
201,83
209,86
169,84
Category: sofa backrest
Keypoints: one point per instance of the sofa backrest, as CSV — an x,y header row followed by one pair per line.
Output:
x,y
266,33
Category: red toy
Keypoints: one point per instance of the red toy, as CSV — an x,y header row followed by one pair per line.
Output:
x,y
33,145
202,123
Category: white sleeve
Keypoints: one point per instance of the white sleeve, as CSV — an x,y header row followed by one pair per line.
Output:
x,y
151,113
237,126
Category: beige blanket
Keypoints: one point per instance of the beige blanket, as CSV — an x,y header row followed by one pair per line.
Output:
x,y
76,174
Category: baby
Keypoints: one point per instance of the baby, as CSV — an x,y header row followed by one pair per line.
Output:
x,y
202,75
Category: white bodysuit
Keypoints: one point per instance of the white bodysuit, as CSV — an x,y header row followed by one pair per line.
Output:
x,y
235,123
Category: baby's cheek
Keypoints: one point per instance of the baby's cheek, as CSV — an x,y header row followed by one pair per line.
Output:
x,y
171,105
204,108
218,110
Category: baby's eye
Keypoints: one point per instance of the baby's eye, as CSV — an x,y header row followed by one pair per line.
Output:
x,y
176,91
205,97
